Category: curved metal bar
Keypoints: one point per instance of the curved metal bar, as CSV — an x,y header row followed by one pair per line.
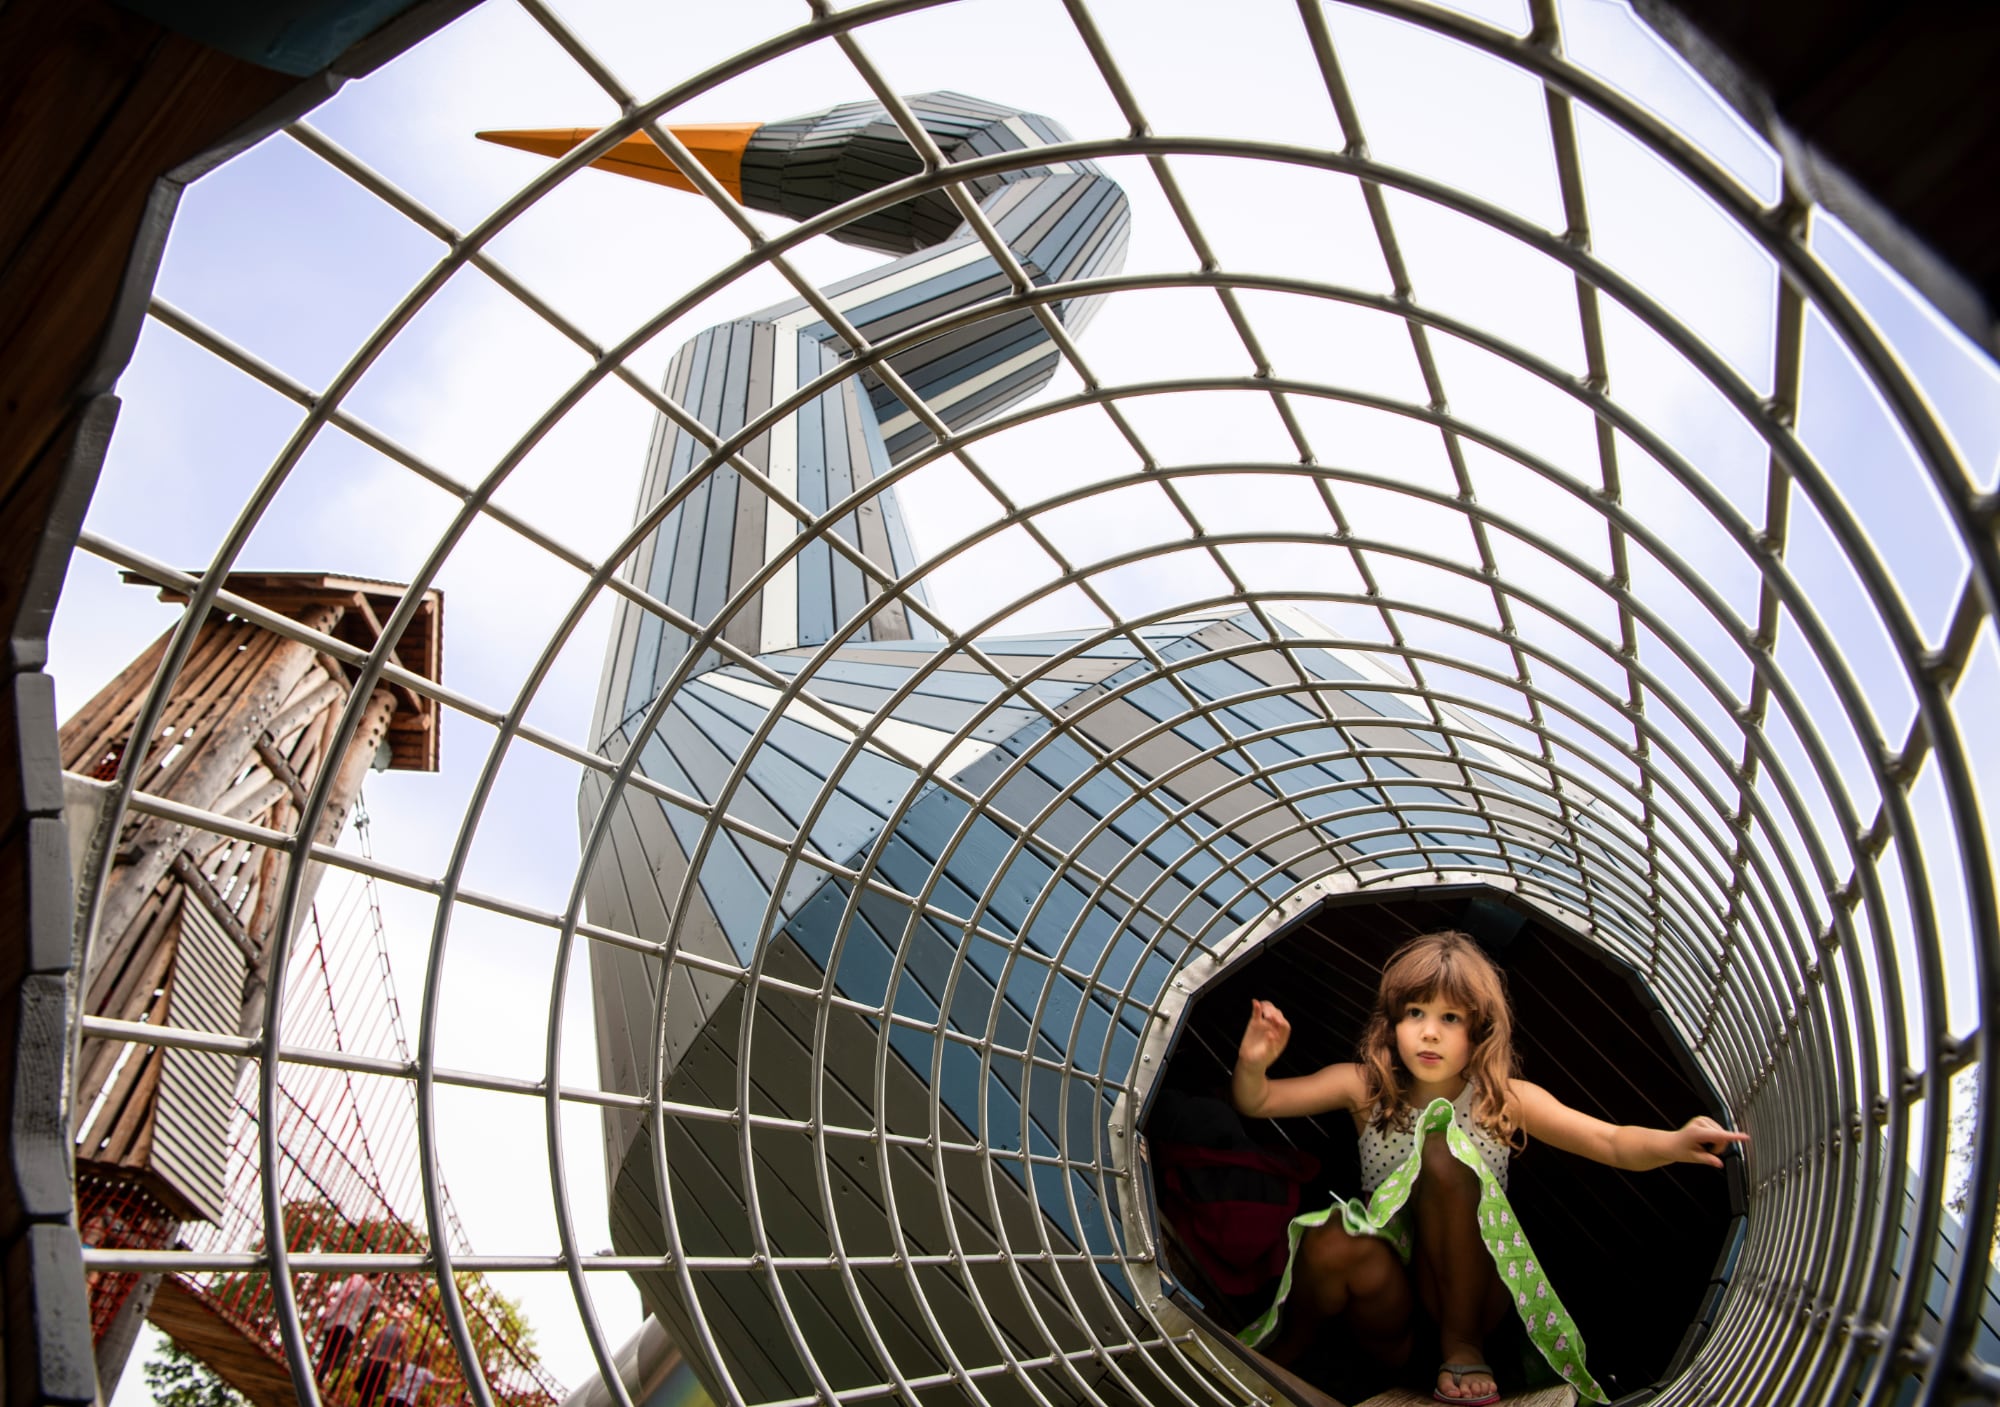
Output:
x,y
1788,950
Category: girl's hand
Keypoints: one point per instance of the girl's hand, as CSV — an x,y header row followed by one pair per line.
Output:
x,y
1265,1038
1702,1140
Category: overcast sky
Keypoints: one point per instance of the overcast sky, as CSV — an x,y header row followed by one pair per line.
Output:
x,y
287,257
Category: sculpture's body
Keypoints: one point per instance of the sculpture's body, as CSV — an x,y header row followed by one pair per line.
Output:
x,y
1170,842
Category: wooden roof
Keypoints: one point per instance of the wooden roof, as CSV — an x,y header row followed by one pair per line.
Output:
x,y
365,603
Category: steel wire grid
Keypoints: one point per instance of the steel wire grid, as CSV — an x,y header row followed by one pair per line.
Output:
x,y
1777,872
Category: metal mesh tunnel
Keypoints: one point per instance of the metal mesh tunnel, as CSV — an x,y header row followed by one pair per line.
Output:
x,y
1078,547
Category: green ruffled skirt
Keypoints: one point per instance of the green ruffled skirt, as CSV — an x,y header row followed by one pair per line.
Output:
x,y
1549,1326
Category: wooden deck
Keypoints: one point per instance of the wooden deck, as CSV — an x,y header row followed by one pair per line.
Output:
x,y
1305,1394
250,1367
1302,1392
1564,1396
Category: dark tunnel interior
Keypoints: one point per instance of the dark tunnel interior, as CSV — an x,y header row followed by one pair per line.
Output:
x,y
1638,1257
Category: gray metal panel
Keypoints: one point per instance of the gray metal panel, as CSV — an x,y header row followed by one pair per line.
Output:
x,y
704,1165
645,855
745,630
197,1094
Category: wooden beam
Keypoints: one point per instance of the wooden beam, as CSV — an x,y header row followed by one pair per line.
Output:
x,y
297,715
359,603
242,1362
281,767
190,875
345,787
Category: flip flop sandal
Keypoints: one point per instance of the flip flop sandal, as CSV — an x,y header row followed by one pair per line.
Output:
x,y
1459,1372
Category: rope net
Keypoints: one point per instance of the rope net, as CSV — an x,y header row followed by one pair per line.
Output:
x,y
349,1180
1437,450
351,1184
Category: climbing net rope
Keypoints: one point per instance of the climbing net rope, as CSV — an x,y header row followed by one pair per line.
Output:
x,y
1562,503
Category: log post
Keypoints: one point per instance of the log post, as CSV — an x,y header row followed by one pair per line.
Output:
x,y
147,850
354,765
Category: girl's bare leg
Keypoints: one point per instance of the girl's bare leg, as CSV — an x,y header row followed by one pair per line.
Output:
x,y
1358,1276
1460,1287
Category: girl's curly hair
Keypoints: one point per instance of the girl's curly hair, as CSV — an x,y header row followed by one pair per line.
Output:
x,y
1449,967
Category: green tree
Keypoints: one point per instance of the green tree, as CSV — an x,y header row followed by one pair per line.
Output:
x,y
176,1378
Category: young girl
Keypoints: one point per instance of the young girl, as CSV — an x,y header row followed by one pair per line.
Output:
x,y
1439,1111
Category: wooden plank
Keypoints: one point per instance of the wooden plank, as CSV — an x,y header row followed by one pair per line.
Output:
x,y
91,729
315,694
206,896
113,100
142,999
250,685
124,991
225,657
246,1365
128,1111
110,715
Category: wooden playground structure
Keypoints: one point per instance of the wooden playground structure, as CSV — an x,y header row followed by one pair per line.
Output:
x,y
167,1138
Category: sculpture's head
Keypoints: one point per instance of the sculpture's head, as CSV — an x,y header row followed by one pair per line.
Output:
x,y
803,166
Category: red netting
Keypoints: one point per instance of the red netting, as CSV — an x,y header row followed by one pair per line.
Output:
x,y
351,1185
117,1211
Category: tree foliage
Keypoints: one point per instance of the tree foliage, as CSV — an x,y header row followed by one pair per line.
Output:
x,y
176,1378
1964,1127
502,1338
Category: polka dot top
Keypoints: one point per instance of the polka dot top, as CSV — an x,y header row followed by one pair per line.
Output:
x,y
1383,1152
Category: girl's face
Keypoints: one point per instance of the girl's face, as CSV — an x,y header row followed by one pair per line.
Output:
x,y
1434,1039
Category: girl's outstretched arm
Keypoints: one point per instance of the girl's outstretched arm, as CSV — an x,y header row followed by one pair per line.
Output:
x,y
1264,1039
1628,1146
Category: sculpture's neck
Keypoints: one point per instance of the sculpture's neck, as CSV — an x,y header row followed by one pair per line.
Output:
x,y
730,552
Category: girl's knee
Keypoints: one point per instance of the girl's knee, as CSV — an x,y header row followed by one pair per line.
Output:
x,y
1441,1170
1361,1263
1330,1253
1336,1271
1373,1268
1326,1250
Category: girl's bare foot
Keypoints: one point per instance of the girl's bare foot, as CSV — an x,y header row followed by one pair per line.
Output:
x,y
1474,1386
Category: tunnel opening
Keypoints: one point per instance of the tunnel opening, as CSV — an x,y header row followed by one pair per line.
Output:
x,y
1640,1258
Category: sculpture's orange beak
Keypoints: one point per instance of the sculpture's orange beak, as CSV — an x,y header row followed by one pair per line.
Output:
x,y
716,145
